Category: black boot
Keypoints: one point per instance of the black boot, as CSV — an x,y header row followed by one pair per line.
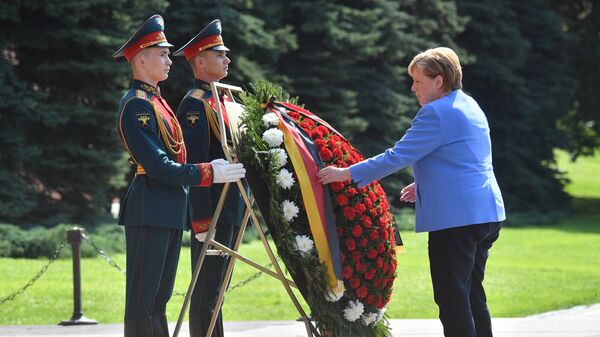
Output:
x,y
160,326
196,327
138,328
199,323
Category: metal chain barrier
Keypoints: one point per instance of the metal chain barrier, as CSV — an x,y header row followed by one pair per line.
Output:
x,y
36,277
103,254
249,279
113,264
175,292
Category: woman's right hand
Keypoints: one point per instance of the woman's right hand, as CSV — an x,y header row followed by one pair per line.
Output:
x,y
408,194
331,174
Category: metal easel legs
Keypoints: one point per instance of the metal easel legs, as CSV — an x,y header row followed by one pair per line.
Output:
x,y
218,247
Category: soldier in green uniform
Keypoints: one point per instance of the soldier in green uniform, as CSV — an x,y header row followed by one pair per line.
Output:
x,y
155,210
207,56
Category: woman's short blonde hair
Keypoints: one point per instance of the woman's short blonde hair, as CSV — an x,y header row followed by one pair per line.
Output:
x,y
440,61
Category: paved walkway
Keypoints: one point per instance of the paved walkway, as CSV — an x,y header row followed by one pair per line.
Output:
x,y
583,321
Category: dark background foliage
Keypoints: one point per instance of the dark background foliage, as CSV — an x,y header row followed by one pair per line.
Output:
x,y
532,66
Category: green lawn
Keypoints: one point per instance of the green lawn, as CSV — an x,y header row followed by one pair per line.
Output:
x,y
531,270
583,173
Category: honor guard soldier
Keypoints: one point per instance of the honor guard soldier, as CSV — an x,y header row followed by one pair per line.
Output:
x,y
155,210
197,115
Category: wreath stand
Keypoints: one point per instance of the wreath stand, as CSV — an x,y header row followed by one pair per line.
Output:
x,y
234,112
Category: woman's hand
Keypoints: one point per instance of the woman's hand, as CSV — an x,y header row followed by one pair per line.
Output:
x,y
408,194
332,174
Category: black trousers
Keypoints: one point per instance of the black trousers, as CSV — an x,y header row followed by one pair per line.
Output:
x,y
457,258
152,257
206,291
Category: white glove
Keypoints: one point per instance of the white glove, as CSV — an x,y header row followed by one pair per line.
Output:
x,y
223,172
219,161
201,236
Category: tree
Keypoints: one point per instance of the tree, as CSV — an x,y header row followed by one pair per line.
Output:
x,y
581,21
251,29
61,156
518,79
351,64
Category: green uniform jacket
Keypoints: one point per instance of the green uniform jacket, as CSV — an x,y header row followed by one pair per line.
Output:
x,y
203,146
158,194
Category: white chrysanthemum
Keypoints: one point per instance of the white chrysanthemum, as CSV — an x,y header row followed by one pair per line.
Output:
x,y
290,210
369,318
304,244
285,179
279,158
380,313
354,310
273,137
334,295
270,120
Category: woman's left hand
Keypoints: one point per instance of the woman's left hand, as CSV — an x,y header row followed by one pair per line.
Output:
x,y
333,174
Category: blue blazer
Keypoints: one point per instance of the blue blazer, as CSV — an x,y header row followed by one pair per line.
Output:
x,y
449,148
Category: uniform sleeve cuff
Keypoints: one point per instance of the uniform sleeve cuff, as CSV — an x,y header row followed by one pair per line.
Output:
x,y
206,174
200,226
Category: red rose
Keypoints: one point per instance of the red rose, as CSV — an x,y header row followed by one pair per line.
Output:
x,y
374,235
355,256
293,114
315,134
363,242
368,203
336,187
323,130
320,144
357,231
370,299
351,160
350,244
347,272
326,155
341,163
384,282
379,302
337,153
333,139
349,213
374,211
361,267
342,200
370,274
352,192
382,221
379,262
305,125
372,253
345,146
381,248
372,196
360,208
385,234
377,282
355,283
366,221
361,292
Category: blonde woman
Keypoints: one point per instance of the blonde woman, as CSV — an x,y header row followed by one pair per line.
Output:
x,y
457,197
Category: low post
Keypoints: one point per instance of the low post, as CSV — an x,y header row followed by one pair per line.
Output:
x,y
74,237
